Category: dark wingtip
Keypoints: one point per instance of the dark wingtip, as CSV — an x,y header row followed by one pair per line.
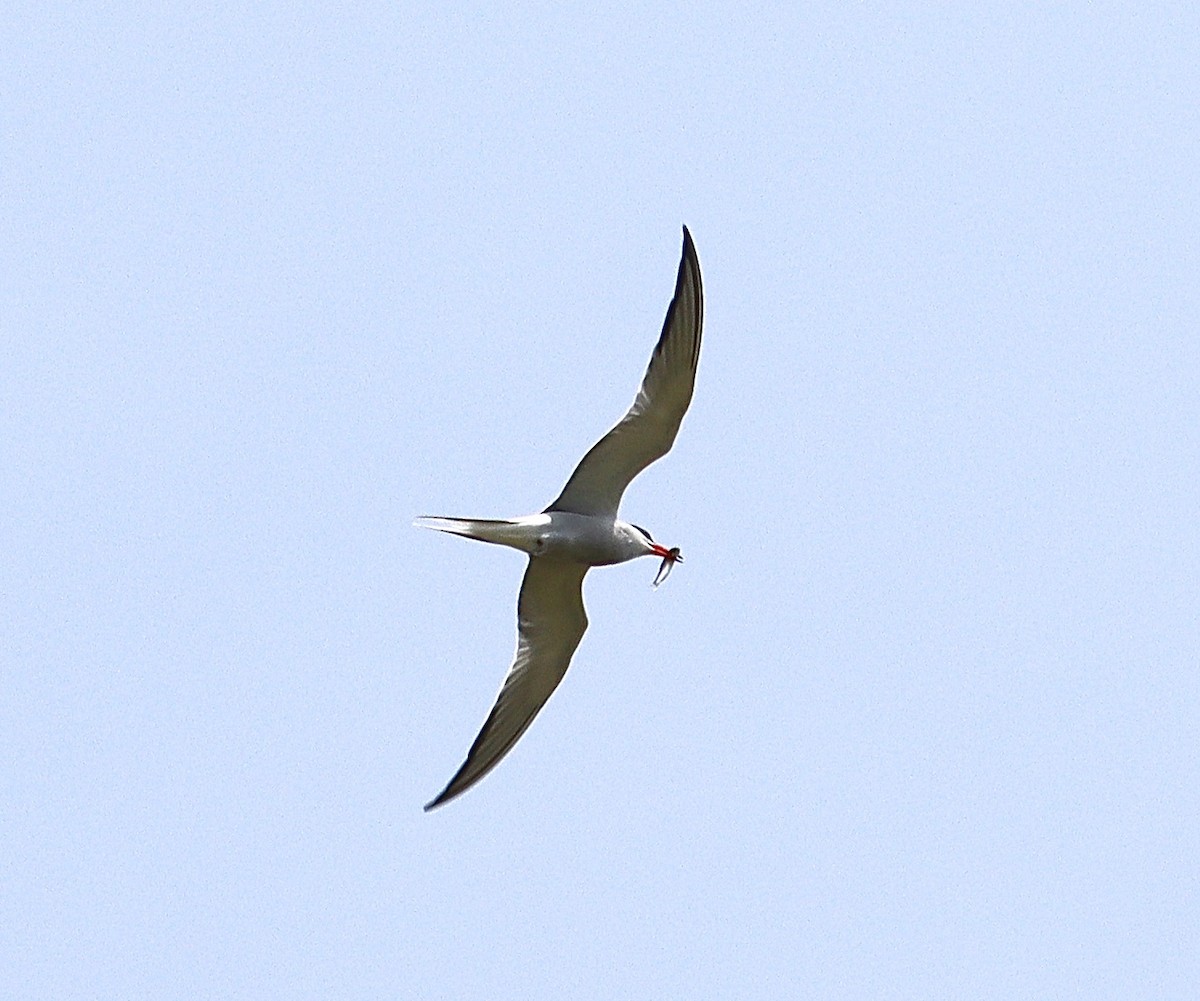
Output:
x,y
690,261
444,796
689,254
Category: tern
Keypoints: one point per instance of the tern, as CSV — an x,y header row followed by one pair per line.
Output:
x,y
581,530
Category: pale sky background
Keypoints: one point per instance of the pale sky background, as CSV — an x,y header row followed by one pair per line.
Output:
x,y
918,718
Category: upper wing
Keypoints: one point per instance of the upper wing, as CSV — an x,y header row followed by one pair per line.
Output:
x,y
648,431
550,623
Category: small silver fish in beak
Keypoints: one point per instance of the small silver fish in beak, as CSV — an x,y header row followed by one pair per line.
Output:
x,y
670,558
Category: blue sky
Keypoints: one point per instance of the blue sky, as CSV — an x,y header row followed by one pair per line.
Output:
x,y
918,716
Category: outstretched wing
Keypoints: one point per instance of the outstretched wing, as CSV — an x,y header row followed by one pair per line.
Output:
x,y
648,431
550,623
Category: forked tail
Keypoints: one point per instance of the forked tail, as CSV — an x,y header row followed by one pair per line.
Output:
x,y
516,532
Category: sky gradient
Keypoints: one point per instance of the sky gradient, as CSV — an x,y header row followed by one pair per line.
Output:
x,y
918,716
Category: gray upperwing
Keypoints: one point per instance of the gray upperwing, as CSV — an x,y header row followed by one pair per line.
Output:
x,y
550,623
648,430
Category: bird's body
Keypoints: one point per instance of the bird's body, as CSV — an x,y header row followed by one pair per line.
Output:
x,y
580,530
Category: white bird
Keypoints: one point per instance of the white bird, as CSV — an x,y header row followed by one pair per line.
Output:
x,y
581,530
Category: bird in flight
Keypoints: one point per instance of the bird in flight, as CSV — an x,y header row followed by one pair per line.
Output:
x,y
581,530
